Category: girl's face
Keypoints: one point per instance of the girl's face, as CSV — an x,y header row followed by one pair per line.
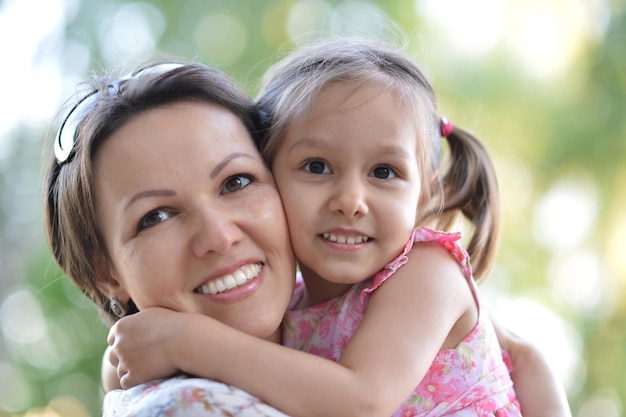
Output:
x,y
192,220
348,177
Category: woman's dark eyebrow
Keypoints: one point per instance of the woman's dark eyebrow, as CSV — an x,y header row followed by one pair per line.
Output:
x,y
149,193
226,161
170,193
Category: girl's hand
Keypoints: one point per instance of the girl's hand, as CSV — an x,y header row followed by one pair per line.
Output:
x,y
141,346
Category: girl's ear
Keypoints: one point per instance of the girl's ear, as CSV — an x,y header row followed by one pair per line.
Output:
x,y
107,281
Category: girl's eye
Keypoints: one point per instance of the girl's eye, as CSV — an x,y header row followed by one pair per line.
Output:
x,y
383,173
153,218
235,183
317,167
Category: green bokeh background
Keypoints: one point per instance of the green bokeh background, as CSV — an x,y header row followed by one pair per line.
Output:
x,y
552,114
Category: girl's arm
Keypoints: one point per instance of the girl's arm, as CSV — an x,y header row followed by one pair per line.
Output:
x,y
384,361
538,390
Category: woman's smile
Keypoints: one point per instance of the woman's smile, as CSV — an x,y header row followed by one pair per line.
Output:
x,y
228,282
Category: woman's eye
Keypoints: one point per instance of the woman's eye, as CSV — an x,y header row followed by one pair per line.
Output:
x,y
153,218
383,173
317,167
235,183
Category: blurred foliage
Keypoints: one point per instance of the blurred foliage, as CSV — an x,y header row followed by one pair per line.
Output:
x,y
540,132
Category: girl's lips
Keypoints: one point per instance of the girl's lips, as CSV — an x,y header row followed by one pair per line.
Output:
x,y
229,282
341,238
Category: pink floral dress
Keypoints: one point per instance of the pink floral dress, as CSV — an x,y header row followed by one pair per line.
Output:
x,y
470,380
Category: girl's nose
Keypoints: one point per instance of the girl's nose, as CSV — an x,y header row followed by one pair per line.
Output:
x,y
349,199
215,232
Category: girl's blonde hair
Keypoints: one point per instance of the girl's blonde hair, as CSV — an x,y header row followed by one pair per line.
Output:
x,y
467,186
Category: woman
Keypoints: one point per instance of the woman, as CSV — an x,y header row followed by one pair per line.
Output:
x,y
155,189
105,195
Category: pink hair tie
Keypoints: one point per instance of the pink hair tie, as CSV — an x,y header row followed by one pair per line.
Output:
x,y
446,127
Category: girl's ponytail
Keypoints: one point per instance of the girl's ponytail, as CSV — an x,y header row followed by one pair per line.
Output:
x,y
470,187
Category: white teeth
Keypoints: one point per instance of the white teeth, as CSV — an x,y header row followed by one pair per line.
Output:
x,y
240,278
230,281
350,240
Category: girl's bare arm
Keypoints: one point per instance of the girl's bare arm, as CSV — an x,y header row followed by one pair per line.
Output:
x,y
383,362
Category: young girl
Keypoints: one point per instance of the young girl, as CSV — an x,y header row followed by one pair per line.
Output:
x,y
355,152
354,146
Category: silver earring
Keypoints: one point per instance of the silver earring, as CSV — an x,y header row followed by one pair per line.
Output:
x,y
117,308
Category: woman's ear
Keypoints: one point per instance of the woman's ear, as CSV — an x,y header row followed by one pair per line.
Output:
x,y
107,281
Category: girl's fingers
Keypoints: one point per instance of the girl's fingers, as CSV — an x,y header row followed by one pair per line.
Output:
x,y
111,336
113,358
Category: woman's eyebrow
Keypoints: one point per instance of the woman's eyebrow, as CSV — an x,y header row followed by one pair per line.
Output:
x,y
149,193
226,161
169,193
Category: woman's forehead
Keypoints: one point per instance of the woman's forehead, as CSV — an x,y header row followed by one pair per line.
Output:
x,y
184,122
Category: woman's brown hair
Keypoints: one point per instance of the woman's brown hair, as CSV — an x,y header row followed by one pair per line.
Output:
x,y
69,201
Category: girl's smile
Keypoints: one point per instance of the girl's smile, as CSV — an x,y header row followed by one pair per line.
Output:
x,y
337,167
345,238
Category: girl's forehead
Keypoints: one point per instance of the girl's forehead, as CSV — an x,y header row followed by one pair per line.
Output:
x,y
353,113
343,95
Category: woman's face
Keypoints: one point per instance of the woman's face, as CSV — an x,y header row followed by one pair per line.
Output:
x,y
192,220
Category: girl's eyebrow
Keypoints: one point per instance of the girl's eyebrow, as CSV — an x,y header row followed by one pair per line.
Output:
x,y
307,142
316,143
394,150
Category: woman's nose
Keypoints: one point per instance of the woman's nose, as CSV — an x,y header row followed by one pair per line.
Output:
x,y
349,198
216,232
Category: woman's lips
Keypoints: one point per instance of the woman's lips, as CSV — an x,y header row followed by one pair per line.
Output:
x,y
228,282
